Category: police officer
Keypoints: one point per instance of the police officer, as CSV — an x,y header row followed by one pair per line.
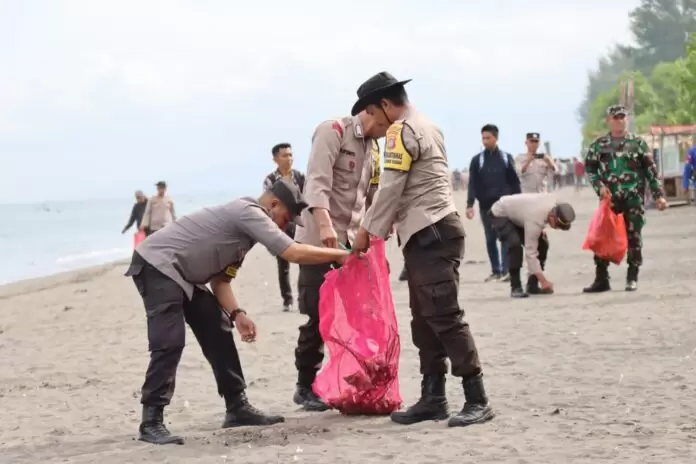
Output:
x,y
341,176
415,192
521,220
536,167
170,270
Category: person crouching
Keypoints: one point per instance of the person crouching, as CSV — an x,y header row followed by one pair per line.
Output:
x,y
521,219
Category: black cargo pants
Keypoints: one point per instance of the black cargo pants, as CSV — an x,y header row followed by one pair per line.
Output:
x,y
309,352
284,271
168,309
514,234
432,257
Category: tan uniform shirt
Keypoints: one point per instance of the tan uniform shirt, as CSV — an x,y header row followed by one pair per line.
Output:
x,y
211,242
415,190
159,212
340,168
534,179
529,211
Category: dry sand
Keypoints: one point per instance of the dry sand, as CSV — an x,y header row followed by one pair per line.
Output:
x,y
574,378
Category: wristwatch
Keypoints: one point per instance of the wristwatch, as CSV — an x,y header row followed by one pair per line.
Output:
x,y
235,312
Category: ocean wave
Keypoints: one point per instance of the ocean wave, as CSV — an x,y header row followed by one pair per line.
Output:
x,y
99,255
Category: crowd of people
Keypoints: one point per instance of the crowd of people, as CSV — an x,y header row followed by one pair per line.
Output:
x,y
184,268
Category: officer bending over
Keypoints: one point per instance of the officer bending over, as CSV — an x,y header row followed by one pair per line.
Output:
x,y
170,270
521,219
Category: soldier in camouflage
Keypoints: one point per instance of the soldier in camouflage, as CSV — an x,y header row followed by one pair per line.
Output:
x,y
618,166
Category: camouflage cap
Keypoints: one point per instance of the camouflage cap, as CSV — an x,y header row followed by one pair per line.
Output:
x,y
617,110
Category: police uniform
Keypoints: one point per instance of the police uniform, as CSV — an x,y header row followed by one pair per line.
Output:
x,y
170,270
415,193
343,166
534,178
521,220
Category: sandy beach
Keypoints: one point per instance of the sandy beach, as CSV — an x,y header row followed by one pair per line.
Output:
x,y
574,378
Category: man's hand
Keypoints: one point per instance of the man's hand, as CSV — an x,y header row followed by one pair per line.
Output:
x,y
661,204
328,236
362,241
604,192
546,286
470,213
245,327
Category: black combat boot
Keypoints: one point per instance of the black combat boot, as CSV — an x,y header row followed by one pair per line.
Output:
x,y
305,397
403,277
241,413
632,278
516,290
476,409
432,404
601,282
533,285
153,430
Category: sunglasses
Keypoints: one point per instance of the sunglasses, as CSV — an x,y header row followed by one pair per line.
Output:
x,y
619,116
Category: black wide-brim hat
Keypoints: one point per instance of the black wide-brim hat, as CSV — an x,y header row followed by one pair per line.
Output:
x,y
373,87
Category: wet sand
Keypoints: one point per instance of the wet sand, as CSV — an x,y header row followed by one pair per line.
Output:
x,y
574,378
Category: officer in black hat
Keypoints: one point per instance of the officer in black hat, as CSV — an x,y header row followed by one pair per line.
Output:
x,y
415,188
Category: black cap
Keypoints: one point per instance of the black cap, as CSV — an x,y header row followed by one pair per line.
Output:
x,y
617,110
161,183
291,197
533,136
565,215
372,87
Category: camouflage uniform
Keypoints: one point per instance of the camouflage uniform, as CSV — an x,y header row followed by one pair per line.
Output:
x,y
624,166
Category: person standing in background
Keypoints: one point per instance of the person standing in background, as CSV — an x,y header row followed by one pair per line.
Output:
x,y
689,177
579,172
492,175
536,167
282,157
137,212
159,211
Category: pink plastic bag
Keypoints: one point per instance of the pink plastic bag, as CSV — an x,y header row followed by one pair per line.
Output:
x,y
358,325
138,237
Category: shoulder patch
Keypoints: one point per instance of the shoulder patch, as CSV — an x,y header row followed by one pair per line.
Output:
x,y
396,157
338,128
231,271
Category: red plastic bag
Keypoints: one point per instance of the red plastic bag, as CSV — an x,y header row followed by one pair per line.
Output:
x,y
607,236
358,326
138,237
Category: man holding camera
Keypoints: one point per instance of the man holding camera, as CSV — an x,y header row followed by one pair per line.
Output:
x,y
536,167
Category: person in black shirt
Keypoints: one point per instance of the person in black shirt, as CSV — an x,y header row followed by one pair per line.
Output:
x,y
282,157
137,212
492,175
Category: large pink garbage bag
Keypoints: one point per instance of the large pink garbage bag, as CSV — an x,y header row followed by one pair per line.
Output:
x,y
358,326
138,237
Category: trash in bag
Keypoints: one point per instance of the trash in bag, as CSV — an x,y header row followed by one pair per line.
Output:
x,y
358,326
607,237
138,237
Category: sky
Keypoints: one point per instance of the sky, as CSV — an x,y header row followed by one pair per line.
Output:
x,y
99,98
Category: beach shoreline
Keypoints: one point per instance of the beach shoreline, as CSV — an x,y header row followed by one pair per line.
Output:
x,y
572,377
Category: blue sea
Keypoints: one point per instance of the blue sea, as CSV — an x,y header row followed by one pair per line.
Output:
x,y
46,238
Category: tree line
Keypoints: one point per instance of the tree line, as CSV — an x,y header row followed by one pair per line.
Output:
x,y
662,64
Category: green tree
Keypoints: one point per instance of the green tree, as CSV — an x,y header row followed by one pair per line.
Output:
x,y
667,82
645,105
688,81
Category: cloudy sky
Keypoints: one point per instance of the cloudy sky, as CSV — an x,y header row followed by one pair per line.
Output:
x,y
100,97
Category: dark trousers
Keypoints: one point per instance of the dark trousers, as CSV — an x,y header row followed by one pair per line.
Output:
x,y
514,235
284,271
492,245
309,352
438,328
168,309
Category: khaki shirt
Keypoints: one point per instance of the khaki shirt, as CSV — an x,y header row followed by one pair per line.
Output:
x,y
159,212
340,168
534,179
415,190
211,242
529,211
